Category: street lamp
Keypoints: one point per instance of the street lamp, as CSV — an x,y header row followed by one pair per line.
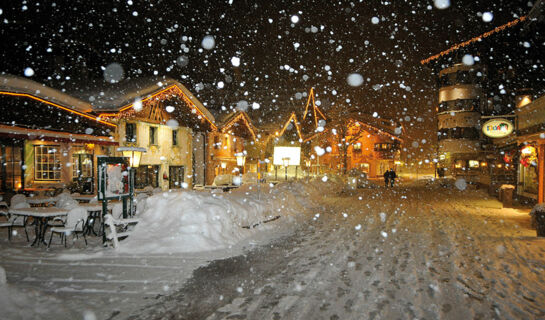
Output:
x,y
133,153
286,162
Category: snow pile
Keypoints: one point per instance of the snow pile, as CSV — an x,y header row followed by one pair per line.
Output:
x,y
190,221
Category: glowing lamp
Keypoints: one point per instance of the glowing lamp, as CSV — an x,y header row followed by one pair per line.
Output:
x,y
133,153
223,165
528,150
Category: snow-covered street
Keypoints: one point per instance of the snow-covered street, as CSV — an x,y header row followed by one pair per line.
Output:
x,y
408,253
416,251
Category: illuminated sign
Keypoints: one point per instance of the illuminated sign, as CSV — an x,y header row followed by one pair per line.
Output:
x,y
290,155
497,128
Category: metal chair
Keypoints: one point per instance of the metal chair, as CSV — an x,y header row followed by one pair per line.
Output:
x,y
76,222
13,221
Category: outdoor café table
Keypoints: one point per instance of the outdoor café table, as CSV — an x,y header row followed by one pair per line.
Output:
x,y
84,197
224,188
42,216
40,200
94,210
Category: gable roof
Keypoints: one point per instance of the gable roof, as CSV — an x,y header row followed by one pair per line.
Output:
x,y
26,87
316,112
112,98
229,122
14,86
292,118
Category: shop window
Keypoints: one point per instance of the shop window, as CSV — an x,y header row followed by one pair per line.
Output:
x,y
460,164
47,163
152,136
130,132
529,169
147,175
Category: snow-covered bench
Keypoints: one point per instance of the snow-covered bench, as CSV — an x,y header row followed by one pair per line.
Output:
x,y
113,223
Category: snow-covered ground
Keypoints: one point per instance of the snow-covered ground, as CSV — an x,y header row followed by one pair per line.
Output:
x,y
178,232
425,250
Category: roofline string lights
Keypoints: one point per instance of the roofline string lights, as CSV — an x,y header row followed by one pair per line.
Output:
x,y
244,117
170,90
58,106
316,109
475,39
294,118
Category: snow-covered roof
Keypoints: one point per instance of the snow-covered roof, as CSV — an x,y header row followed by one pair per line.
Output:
x,y
25,86
111,97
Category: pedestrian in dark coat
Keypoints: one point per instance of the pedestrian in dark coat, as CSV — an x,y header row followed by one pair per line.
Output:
x,y
392,176
386,178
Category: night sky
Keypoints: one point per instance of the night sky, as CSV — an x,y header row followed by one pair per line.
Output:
x,y
71,41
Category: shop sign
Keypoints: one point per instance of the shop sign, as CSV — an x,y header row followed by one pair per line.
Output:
x,y
497,128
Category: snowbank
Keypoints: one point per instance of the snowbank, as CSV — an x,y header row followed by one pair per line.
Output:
x,y
190,221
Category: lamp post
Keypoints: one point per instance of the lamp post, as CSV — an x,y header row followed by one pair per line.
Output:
x,y
307,164
286,162
134,154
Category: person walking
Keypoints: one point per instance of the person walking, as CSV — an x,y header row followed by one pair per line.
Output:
x,y
386,178
392,176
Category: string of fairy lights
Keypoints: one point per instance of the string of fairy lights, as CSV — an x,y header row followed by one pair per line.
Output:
x,y
473,40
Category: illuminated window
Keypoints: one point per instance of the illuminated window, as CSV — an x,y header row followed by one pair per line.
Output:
x,y
383,146
473,163
357,147
459,164
47,163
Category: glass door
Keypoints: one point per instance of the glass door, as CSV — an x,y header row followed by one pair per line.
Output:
x,y
11,170
82,171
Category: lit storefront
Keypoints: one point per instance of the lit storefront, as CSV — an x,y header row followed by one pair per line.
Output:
x,y
528,172
54,143
531,139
